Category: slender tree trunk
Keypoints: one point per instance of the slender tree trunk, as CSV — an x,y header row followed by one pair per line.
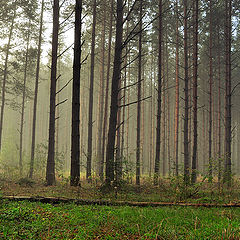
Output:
x,y
114,95
5,73
90,110
36,93
75,140
210,95
228,93
107,91
50,171
159,110
186,98
139,97
219,112
102,88
164,117
176,132
118,144
23,105
195,93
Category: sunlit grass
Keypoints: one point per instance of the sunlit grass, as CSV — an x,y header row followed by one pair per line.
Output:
x,y
25,220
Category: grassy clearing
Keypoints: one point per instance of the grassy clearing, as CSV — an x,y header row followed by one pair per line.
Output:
x,y
27,220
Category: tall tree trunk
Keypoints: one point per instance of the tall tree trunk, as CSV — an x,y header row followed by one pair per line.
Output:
x,y
114,95
210,95
90,110
5,73
159,101
219,111
107,91
186,98
23,104
36,92
228,93
139,97
176,132
101,97
118,143
195,93
50,171
75,140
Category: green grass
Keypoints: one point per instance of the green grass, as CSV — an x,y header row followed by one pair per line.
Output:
x,y
27,220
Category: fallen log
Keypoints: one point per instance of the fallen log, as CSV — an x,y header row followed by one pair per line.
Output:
x,y
100,202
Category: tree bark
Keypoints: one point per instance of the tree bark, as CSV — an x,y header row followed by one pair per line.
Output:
x,y
195,93
101,93
186,97
50,171
90,109
106,92
139,90
75,139
176,132
36,93
210,94
159,101
228,117
23,105
114,95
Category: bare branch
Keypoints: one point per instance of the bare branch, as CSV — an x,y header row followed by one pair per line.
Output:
x,y
126,105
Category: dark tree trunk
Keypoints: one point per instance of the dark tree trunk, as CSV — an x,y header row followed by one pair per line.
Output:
x,y
195,93
139,97
50,171
90,109
176,133
186,98
36,93
219,111
118,143
159,101
210,95
114,95
228,30
107,91
75,141
5,73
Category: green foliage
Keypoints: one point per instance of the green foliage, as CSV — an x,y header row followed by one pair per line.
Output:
x,y
26,182
9,158
25,220
41,160
183,191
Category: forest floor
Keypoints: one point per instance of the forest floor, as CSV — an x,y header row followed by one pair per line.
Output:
x,y
168,190
36,220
